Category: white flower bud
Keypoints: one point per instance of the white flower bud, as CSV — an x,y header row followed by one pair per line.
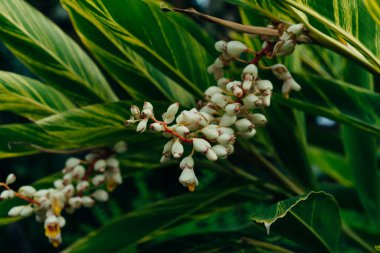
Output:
x,y
98,180
212,90
280,71
58,184
266,99
208,109
148,106
296,29
90,157
221,151
7,194
221,46
61,221
177,149
188,117
233,109
230,149
243,125
226,130
27,191
75,202
258,119
238,92
146,113
79,172
206,118
135,112
67,178
211,155
263,85
11,178
72,162
88,201
284,47
100,195
26,211
251,69
247,84
172,110
120,147
100,165
290,85
226,139
187,162
218,63
210,132
82,186
15,211
227,120
165,159
235,48
168,147
250,101
219,100
68,191
182,130
248,134
113,162
188,179
201,145
156,127
222,82
230,86
141,127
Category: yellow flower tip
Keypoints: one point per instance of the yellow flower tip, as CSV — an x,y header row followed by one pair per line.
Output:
x,y
286,95
53,230
55,243
111,186
57,206
191,187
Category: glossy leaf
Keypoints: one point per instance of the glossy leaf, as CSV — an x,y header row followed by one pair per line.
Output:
x,y
318,212
337,25
30,98
336,100
170,50
155,218
51,54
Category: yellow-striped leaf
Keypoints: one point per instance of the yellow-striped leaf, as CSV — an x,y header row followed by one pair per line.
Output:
x,y
30,98
51,54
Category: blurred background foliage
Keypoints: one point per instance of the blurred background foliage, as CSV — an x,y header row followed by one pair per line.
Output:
x,y
145,185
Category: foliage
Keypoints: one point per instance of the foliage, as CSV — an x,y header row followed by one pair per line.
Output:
x,y
301,177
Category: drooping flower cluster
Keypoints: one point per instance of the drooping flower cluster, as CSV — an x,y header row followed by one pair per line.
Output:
x,y
84,182
227,110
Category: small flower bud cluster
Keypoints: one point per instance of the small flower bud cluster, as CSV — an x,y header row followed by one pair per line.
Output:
x,y
282,73
287,41
225,112
229,51
82,185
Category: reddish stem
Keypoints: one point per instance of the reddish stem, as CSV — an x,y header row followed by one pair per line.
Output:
x,y
262,53
90,168
170,131
20,196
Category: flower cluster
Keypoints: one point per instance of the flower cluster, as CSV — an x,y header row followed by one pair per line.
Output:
x,y
227,110
82,184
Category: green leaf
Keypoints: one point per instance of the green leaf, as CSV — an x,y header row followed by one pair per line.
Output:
x,y
51,54
172,50
340,26
336,100
30,98
134,73
318,212
155,218
333,164
361,151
